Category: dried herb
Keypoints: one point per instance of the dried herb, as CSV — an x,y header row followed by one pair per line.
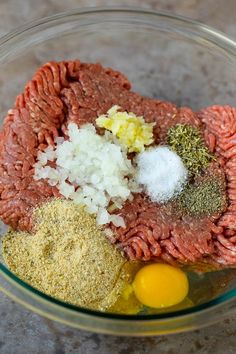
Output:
x,y
205,199
187,142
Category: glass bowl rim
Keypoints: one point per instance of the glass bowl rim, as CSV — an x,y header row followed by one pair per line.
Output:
x,y
213,36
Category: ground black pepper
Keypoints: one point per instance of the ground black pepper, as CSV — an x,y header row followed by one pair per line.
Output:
x,y
204,199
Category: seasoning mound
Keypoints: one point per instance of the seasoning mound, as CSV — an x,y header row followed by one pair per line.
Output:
x,y
187,142
204,198
68,257
161,172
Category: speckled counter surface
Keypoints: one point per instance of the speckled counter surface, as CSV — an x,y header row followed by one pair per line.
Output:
x,y
23,332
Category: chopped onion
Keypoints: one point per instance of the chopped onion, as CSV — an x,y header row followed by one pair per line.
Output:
x,y
92,170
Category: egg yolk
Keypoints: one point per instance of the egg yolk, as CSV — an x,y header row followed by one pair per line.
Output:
x,y
160,285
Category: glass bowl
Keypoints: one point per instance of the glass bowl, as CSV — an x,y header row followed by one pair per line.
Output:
x,y
164,56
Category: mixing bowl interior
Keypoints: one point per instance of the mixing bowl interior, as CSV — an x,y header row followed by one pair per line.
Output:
x,y
165,57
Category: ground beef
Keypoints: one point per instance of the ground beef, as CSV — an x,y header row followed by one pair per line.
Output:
x,y
159,231
65,92
153,231
220,134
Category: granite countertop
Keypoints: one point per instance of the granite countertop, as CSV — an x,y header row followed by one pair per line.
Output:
x,y
23,332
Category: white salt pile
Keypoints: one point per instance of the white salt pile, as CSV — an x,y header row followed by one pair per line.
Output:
x,y
161,172
90,169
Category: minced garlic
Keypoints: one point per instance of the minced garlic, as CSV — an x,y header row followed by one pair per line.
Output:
x,y
132,131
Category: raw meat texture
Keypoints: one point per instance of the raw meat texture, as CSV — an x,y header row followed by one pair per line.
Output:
x,y
220,134
158,231
60,93
65,92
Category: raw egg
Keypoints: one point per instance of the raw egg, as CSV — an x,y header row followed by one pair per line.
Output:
x,y
160,285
